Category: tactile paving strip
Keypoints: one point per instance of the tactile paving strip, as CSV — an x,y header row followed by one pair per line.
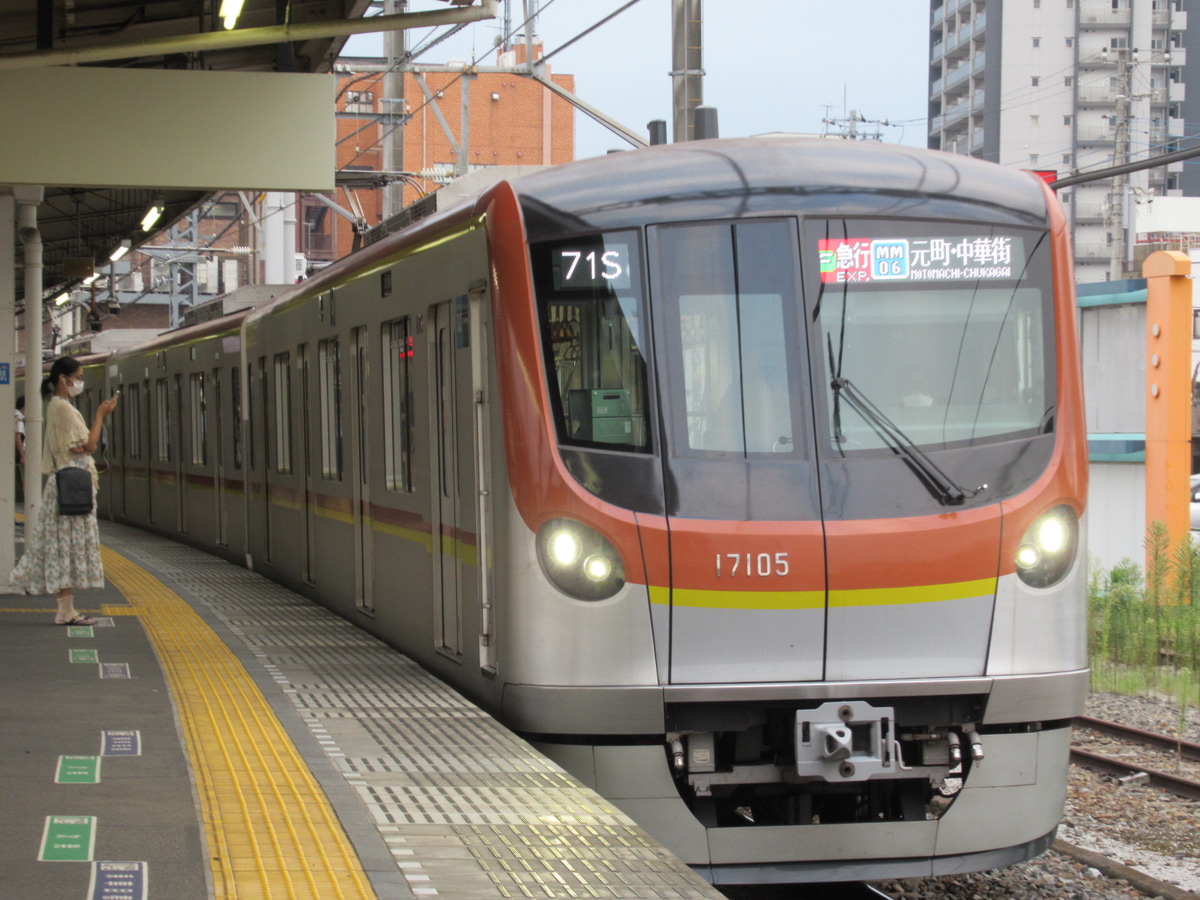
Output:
x,y
467,809
271,831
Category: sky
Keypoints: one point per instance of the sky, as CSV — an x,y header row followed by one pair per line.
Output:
x,y
770,65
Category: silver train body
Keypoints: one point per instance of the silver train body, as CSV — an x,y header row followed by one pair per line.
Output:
x,y
802,641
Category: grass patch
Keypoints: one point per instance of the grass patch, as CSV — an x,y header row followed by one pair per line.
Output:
x,y
1144,628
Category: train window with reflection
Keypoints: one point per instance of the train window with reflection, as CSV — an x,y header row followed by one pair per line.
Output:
x,y
329,363
283,413
162,421
133,420
397,404
199,420
931,334
593,339
235,393
729,295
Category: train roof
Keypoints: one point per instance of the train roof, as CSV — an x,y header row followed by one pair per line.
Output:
x,y
777,174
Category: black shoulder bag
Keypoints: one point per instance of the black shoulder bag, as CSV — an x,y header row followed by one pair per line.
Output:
x,y
74,491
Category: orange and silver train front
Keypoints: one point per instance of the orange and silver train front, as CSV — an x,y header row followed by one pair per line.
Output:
x,y
795,440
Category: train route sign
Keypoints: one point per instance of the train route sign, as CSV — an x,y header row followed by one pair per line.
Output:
x,y
858,260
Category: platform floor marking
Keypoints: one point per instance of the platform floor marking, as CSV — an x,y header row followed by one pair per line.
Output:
x,y
85,656
271,830
119,881
68,839
121,743
77,770
80,631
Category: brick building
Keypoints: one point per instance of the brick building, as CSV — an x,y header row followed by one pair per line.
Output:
x,y
511,121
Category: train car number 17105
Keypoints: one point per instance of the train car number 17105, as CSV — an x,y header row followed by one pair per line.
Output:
x,y
751,564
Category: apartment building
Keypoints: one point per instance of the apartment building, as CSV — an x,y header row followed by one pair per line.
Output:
x,y
1064,86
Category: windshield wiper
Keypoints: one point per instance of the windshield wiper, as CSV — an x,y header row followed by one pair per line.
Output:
x,y
944,488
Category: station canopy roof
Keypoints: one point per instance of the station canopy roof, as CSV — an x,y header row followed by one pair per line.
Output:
x,y
153,34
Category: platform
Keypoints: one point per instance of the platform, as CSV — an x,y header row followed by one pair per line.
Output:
x,y
217,735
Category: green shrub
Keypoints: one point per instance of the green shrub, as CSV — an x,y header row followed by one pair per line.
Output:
x,y
1144,634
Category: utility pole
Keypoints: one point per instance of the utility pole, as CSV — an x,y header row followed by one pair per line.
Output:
x,y
687,73
1120,184
396,50
848,126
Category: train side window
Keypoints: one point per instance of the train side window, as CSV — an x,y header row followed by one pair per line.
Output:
x,y
198,419
589,295
162,420
131,399
283,413
329,362
235,387
397,342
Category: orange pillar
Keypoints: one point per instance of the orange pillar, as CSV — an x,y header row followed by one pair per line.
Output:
x,y
1168,391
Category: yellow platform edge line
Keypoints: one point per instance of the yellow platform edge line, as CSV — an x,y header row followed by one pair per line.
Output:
x,y
258,798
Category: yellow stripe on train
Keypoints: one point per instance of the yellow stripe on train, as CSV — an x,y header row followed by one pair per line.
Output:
x,y
930,593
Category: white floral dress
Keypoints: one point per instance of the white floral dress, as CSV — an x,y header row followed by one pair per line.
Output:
x,y
63,551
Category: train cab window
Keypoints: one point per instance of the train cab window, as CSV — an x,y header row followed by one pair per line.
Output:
x,y
590,309
729,295
936,335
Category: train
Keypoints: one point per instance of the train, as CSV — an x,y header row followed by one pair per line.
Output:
x,y
745,478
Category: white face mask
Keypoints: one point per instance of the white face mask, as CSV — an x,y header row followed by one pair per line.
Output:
x,y
74,388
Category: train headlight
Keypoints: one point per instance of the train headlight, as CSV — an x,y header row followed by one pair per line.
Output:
x,y
579,560
1048,548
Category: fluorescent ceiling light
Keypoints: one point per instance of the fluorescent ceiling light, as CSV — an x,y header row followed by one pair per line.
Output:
x,y
152,215
121,250
62,298
230,10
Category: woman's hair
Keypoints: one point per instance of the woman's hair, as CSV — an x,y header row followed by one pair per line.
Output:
x,y
64,365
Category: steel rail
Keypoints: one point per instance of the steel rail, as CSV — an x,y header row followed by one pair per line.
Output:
x,y
1186,749
1173,783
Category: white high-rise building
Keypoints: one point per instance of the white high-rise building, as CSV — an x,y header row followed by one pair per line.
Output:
x,y
1066,86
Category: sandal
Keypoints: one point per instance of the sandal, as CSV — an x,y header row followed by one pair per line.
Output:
x,y
75,620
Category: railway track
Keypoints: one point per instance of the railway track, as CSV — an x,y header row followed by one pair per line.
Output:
x,y
1124,768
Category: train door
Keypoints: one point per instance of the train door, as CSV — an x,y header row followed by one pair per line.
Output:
x,y
747,603
453,475
361,478
307,510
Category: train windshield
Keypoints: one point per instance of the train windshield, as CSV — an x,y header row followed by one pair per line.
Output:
x,y
931,335
590,310
728,307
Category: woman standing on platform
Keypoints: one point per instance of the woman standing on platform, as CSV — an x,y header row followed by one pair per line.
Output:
x,y
63,552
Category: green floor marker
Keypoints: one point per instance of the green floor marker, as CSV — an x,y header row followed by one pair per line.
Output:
x,y
85,656
68,839
78,770
80,631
